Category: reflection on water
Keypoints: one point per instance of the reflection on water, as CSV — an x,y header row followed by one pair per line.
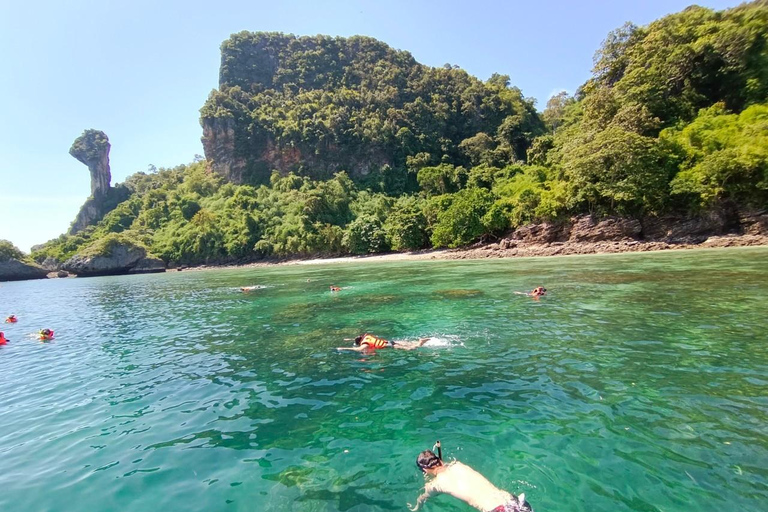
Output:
x,y
638,383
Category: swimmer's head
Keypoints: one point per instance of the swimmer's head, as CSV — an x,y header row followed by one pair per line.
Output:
x,y
519,504
359,340
428,460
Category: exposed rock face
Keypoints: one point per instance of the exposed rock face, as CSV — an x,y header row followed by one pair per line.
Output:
x,y
222,149
754,223
544,233
688,230
148,265
587,229
121,259
588,235
50,264
93,210
15,270
92,149
219,147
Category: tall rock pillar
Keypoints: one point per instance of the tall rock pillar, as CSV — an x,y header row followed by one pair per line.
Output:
x,y
92,149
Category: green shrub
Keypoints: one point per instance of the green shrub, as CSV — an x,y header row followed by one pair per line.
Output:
x,y
466,219
365,235
9,251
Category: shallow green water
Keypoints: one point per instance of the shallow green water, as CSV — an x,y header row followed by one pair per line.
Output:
x,y
639,383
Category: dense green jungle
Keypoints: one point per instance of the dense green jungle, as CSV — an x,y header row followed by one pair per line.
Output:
x,y
321,146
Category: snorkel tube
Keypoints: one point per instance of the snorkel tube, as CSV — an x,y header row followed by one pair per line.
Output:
x,y
439,450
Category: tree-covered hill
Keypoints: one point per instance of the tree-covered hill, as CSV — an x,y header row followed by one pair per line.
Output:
x,y
325,146
319,105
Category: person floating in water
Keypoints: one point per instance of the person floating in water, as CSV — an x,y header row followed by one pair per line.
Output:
x,y
45,335
366,342
335,288
246,289
3,339
537,292
466,484
11,319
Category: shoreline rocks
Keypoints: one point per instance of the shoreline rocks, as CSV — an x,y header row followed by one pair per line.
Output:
x,y
113,256
587,235
15,270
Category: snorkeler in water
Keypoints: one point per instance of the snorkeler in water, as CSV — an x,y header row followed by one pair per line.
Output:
x,y
464,483
335,288
12,319
45,335
537,292
368,342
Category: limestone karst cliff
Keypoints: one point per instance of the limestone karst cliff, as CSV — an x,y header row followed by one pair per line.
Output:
x,y
319,105
92,149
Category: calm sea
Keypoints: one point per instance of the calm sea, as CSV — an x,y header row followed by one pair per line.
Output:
x,y
639,383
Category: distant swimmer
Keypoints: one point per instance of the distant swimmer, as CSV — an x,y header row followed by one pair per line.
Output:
x,y
537,292
335,288
246,289
367,342
3,339
45,335
466,484
11,319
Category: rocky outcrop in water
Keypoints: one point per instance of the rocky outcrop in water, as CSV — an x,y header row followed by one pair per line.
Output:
x,y
113,256
15,270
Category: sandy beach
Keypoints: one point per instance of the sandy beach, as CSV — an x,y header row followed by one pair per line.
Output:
x,y
507,248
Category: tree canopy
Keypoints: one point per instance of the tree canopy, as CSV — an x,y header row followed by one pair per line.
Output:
x,y
346,145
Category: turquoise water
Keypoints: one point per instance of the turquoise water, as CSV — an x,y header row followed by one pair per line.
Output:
x,y
639,383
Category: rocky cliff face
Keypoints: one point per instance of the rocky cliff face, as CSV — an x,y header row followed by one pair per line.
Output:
x,y
219,147
93,210
92,149
586,234
15,270
119,258
222,148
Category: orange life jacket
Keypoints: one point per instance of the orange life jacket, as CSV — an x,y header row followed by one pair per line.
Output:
x,y
374,341
3,341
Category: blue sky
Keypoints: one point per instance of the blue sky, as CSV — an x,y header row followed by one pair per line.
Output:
x,y
140,70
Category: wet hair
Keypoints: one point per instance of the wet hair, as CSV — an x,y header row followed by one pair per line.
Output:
x,y
359,340
428,460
